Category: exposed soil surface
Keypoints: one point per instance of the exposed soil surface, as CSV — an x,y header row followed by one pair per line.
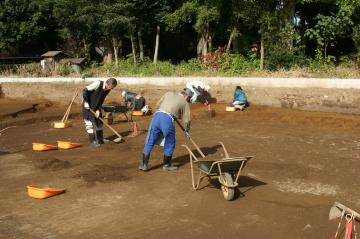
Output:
x,y
304,161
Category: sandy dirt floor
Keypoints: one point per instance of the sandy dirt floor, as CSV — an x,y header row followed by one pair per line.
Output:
x,y
304,161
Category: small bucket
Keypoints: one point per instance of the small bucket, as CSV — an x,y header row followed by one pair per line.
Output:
x,y
67,145
41,193
43,147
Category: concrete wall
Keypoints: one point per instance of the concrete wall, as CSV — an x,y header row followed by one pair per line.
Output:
x,y
333,95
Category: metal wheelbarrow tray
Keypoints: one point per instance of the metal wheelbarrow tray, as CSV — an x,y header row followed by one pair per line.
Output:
x,y
227,170
112,109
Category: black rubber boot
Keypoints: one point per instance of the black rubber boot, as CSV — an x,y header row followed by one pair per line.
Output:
x,y
167,164
144,166
100,136
93,140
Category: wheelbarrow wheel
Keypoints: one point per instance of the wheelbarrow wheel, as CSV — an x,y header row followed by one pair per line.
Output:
x,y
228,192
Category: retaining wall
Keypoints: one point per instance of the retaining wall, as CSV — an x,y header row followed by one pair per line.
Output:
x,y
333,95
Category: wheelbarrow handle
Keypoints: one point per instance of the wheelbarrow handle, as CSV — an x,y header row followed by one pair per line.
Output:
x,y
192,141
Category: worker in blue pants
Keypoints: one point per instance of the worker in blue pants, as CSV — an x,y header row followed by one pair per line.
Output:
x,y
162,128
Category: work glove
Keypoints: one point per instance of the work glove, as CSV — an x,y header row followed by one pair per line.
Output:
x,y
187,134
97,113
86,105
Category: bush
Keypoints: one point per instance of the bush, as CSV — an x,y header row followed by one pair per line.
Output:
x,y
278,58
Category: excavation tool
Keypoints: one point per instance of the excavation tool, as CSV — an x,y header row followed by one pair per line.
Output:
x,y
338,210
110,110
227,170
64,123
210,112
119,137
192,141
43,147
35,191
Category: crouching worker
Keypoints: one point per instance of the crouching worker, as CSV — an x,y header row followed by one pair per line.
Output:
x,y
134,101
93,98
162,128
240,100
200,92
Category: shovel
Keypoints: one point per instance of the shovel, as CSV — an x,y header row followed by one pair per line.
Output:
x,y
119,137
192,141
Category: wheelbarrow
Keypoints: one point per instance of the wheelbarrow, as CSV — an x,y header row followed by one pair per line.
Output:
x,y
110,110
227,170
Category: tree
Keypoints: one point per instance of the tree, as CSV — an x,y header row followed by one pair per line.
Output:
x,y
115,22
202,15
80,25
23,21
330,28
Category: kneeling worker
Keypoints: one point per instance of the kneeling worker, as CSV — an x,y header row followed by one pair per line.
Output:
x,y
135,101
94,96
162,126
240,100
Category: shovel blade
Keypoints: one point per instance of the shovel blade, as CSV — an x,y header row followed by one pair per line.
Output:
x,y
118,140
338,209
335,212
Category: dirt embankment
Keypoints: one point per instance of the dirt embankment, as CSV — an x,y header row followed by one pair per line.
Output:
x,y
310,99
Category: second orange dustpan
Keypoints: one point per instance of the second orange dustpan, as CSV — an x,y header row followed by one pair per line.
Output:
x,y
41,193
43,147
67,145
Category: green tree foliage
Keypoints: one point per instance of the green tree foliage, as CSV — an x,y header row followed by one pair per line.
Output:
x,y
22,21
328,29
284,31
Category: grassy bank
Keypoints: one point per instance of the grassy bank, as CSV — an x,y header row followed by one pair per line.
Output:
x,y
222,66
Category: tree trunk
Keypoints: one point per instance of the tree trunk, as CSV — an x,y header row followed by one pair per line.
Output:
x,y
325,49
133,48
108,55
208,38
289,11
116,49
262,51
202,48
120,48
157,43
232,35
141,46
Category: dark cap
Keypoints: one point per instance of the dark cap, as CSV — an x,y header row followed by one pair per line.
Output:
x,y
111,81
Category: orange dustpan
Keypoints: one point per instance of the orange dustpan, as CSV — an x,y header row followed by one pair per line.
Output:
x,y
43,147
137,113
67,145
62,125
41,193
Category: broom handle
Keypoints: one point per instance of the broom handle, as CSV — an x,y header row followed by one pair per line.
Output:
x,y
192,141
111,128
66,115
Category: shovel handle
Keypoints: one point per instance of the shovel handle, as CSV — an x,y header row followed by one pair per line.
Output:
x,y
66,115
192,141
104,122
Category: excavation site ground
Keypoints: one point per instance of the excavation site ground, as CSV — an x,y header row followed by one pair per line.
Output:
x,y
303,162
